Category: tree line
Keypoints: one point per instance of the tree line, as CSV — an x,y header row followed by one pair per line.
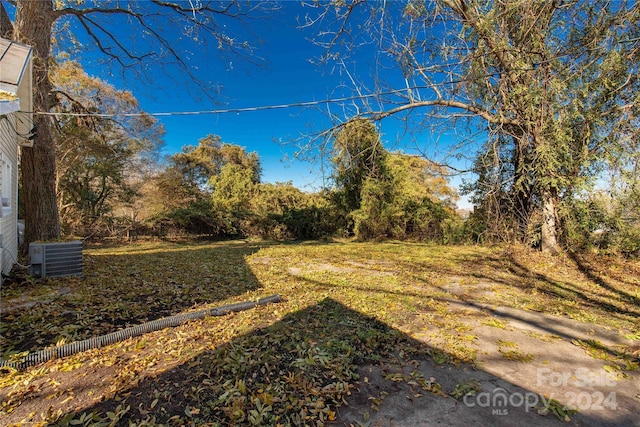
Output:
x,y
112,181
550,86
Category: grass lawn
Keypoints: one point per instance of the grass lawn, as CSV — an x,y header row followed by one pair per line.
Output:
x,y
295,362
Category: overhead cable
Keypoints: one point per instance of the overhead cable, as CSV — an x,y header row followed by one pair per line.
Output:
x,y
229,110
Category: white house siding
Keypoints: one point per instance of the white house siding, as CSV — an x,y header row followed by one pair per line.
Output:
x,y
16,104
9,219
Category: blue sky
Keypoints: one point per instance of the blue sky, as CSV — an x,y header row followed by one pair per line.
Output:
x,y
286,76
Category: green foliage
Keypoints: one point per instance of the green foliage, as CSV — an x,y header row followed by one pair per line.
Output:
x,y
213,189
423,199
388,195
234,190
98,160
191,174
389,209
602,221
358,155
199,218
551,87
374,217
282,212
585,223
200,164
240,207
312,222
584,130
207,189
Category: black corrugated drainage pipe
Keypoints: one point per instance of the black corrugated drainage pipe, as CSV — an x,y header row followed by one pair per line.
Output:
x,y
96,342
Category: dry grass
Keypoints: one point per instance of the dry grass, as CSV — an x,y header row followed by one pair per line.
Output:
x,y
294,362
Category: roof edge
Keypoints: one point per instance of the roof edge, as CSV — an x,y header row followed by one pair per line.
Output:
x,y
9,86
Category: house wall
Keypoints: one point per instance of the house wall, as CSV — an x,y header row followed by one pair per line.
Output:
x,y
9,179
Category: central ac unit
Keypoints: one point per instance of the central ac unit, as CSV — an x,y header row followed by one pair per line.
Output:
x,y
55,259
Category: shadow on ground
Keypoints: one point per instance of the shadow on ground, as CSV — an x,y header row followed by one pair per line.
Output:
x,y
122,289
328,364
583,286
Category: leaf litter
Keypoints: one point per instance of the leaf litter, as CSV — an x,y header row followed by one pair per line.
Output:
x,y
295,363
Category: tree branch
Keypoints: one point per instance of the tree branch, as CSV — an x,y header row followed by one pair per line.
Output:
x,y
203,20
491,118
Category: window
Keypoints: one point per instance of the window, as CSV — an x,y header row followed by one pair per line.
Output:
x,y
6,178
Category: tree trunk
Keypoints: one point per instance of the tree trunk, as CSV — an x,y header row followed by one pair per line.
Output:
x,y
521,192
34,20
6,27
549,239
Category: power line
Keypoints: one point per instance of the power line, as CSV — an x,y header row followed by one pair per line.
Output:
x,y
230,110
302,104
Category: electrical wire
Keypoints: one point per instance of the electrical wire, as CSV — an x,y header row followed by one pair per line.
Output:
x,y
28,136
230,110
301,104
13,129
15,261
406,90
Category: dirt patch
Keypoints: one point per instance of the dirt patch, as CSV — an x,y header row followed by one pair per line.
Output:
x,y
72,387
468,291
381,402
371,262
263,260
535,361
359,268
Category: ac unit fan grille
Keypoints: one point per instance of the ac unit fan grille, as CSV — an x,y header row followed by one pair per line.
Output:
x,y
55,259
